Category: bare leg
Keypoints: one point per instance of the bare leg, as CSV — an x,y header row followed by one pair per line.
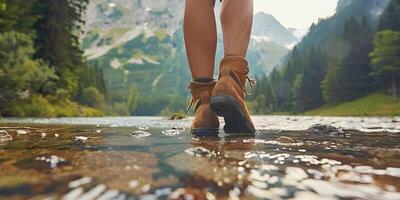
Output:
x,y
236,20
200,37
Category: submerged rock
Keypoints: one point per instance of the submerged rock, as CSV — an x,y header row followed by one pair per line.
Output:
x,y
325,129
198,151
4,136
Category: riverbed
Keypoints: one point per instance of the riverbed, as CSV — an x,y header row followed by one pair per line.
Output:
x,y
157,158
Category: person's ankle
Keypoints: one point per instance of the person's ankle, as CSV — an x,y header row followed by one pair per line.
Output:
x,y
203,79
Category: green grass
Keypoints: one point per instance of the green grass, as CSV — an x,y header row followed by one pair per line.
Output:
x,y
161,34
376,104
39,106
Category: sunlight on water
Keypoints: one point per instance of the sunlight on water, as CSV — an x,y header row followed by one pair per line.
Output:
x,y
288,123
152,158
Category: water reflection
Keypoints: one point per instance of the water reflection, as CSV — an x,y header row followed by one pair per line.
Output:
x,y
146,162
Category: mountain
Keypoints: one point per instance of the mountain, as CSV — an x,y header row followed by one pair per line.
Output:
x,y
374,8
140,42
266,27
331,64
109,25
129,14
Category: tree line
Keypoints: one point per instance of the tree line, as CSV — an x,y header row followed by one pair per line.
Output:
x,y
42,68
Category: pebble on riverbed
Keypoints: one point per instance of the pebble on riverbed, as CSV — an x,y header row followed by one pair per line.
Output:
x,y
284,139
140,134
198,151
21,132
4,136
81,138
52,160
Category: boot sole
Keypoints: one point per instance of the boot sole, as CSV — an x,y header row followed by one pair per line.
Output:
x,y
205,132
235,119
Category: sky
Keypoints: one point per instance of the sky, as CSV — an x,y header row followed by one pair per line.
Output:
x,y
298,14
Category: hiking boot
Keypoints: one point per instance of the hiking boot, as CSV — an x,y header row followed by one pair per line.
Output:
x,y
227,99
205,122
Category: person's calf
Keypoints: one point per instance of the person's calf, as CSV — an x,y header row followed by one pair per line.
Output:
x,y
236,25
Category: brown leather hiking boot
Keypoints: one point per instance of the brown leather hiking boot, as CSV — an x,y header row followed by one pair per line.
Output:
x,y
205,122
227,99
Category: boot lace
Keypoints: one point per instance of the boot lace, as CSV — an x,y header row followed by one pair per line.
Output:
x,y
193,102
252,82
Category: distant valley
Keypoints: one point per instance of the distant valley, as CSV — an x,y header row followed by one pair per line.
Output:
x,y
139,42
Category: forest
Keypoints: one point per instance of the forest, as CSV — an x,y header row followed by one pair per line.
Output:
x,y
43,71
342,58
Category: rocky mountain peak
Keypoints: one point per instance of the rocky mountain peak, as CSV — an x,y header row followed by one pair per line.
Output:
x,y
267,27
152,14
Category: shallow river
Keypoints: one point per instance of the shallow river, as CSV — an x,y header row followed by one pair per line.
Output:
x,y
155,158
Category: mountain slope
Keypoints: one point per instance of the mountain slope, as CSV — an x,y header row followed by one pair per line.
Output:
x,y
330,64
109,25
346,9
267,27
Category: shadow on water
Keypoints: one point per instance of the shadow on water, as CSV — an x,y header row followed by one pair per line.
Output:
x,y
151,162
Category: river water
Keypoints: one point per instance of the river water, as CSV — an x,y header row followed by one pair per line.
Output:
x,y
156,158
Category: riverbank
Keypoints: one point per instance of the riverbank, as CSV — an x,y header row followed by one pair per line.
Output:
x,y
39,106
376,104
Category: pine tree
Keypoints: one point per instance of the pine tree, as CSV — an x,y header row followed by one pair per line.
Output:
x,y
391,17
385,57
17,15
307,93
270,98
349,78
281,89
385,53
57,38
133,99
90,75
